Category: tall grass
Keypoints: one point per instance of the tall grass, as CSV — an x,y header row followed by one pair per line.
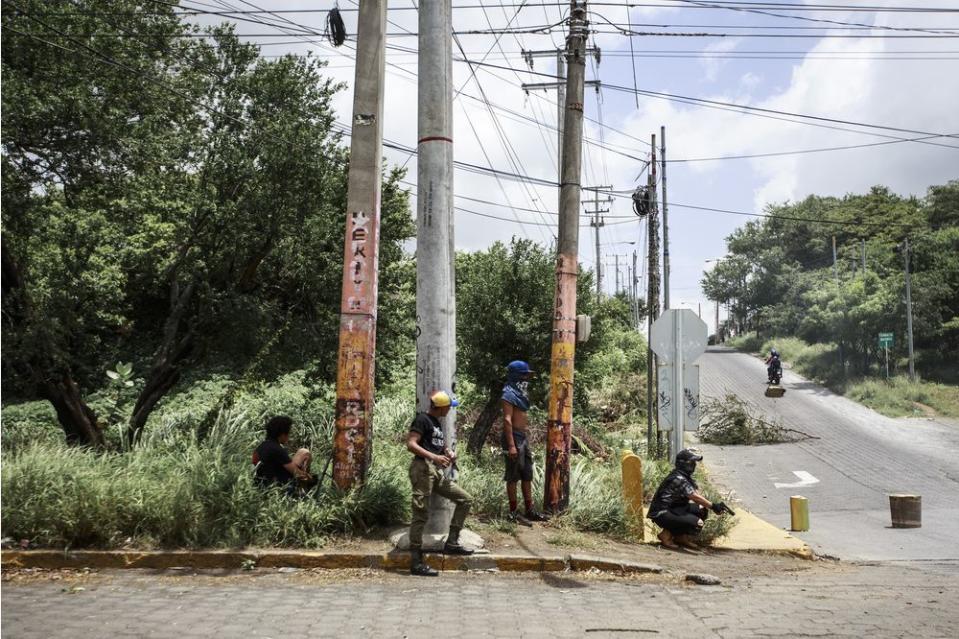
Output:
x,y
898,397
182,486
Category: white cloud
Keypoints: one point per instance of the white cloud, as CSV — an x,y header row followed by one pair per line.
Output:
x,y
712,66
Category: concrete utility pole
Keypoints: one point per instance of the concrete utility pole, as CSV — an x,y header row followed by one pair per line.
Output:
x,y
435,282
652,300
912,359
560,415
662,159
717,322
616,260
597,223
352,440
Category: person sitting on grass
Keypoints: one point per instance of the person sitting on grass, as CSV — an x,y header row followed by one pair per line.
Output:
x,y
679,508
274,466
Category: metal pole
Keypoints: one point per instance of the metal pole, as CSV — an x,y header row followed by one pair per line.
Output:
x,y
633,285
662,159
835,272
352,440
679,425
863,257
435,294
560,414
653,436
886,348
912,359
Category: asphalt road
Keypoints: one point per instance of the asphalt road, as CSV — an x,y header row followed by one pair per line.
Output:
x,y
859,458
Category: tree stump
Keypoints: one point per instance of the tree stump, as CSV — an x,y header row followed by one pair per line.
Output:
x,y
906,511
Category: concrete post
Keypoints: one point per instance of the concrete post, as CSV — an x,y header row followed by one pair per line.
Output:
x,y
560,412
355,360
435,295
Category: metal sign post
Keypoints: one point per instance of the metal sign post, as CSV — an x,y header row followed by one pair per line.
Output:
x,y
885,341
678,337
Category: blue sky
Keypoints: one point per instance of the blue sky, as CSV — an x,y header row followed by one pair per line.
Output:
x,y
849,78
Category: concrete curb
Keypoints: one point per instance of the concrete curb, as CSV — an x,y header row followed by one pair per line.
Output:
x,y
111,559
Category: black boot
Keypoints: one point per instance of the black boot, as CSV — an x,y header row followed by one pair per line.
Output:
x,y
418,567
453,546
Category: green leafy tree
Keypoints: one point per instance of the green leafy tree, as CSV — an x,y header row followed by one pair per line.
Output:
x,y
170,199
505,312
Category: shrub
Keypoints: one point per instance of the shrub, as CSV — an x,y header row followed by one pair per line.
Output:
x,y
748,342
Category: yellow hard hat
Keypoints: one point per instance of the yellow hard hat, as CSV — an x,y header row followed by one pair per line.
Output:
x,y
441,399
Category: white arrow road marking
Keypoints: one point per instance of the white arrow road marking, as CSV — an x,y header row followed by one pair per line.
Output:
x,y
805,479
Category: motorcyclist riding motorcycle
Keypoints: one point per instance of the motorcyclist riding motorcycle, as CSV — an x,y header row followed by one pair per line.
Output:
x,y
774,367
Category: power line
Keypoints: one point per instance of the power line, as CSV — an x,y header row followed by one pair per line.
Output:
x,y
743,108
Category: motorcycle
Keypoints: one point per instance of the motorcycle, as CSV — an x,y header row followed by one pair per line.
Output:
x,y
775,375
775,372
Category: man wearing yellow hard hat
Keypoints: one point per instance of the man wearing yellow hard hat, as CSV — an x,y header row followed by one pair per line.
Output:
x,y
430,456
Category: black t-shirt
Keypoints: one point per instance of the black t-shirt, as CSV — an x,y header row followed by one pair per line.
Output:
x,y
674,491
273,457
432,433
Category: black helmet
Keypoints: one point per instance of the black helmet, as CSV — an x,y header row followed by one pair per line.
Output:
x,y
774,352
686,460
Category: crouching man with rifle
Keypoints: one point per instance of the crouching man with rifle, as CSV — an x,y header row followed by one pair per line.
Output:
x,y
679,508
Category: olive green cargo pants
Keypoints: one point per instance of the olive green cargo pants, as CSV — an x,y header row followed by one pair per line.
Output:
x,y
428,479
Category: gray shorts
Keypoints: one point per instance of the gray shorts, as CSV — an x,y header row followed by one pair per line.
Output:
x,y
521,468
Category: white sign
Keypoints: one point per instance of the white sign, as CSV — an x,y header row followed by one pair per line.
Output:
x,y
678,337
690,403
679,323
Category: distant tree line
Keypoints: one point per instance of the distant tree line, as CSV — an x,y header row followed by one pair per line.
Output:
x,y
779,277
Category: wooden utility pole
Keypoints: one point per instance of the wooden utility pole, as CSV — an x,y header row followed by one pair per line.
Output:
x,y
352,442
560,412
435,281
662,159
653,436
912,358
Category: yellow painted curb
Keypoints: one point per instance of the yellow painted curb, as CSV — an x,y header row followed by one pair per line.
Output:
x,y
210,559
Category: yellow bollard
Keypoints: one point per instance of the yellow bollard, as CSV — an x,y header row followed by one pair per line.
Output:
x,y
799,513
633,492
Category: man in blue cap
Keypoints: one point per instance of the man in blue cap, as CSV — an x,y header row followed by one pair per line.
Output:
x,y
516,450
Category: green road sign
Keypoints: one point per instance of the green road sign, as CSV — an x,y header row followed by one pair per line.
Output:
x,y
885,340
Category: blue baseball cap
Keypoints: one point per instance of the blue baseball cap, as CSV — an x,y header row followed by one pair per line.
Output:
x,y
518,366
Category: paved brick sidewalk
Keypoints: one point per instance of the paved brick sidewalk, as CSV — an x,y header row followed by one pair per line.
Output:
x,y
856,601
